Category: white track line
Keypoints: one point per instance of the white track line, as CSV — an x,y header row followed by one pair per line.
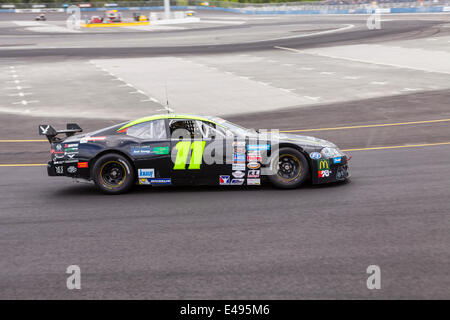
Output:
x,y
25,102
312,98
347,27
380,83
20,94
364,60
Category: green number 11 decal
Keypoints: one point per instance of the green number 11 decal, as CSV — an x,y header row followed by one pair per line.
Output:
x,y
183,148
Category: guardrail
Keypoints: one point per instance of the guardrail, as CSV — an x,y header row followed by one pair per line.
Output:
x,y
314,7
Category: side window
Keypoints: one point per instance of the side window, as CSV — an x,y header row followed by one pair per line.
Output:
x,y
180,128
211,131
151,130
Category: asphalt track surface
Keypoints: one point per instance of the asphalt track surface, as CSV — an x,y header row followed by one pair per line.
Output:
x,y
248,243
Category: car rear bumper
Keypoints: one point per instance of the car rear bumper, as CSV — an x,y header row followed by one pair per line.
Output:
x,y
73,170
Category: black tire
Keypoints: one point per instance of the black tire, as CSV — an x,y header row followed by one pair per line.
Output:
x,y
113,174
291,167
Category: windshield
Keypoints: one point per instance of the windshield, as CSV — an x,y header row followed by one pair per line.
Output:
x,y
236,129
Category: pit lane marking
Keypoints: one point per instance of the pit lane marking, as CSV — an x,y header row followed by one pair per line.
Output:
x,y
35,140
23,165
398,147
369,126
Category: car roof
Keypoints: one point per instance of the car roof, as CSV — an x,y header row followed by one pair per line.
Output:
x,y
170,116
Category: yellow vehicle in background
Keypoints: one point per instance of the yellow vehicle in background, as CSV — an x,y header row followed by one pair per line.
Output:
x,y
139,17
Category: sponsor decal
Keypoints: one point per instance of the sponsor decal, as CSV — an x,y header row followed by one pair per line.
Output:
x,y
224,180
253,158
146,173
148,150
238,174
96,138
315,155
160,150
160,181
138,150
91,139
71,161
239,143
337,160
253,165
59,147
253,182
238,166
253,173
144,181
53,151
237,182
239,149
324,164
44,130
75,150
71,169
258,147
71,145
71,155
238,157
324,173
83,165
59,169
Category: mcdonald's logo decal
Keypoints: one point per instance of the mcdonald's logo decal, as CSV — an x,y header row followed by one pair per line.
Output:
x,y
324,164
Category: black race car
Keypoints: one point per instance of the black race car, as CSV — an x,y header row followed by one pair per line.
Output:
x,y
190,150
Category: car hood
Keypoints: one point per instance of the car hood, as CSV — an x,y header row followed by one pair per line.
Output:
x,y
304,140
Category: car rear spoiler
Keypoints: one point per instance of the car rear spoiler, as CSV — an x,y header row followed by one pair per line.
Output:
x,y
51,134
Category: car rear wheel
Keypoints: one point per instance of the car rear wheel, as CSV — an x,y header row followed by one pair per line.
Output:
x,y
290,167
113,174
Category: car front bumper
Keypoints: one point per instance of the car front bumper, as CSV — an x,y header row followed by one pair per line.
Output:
x,y
330,171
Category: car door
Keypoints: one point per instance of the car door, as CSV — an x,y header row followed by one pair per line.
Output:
x,y
152,154
188,145
218,153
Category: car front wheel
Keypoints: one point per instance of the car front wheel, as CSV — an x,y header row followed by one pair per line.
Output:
x,y
290,167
